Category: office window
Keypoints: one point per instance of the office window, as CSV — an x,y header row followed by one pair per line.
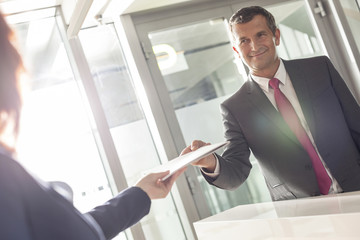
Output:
x,y
56,142
198,67
298,38
128,127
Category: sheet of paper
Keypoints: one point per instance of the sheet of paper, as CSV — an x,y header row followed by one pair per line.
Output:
x,y
184,160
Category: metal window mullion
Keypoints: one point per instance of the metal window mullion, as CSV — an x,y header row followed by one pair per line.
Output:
x,y
354,51
156,117
333,43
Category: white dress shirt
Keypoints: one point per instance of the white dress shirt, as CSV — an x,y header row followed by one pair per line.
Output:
x,y
287,88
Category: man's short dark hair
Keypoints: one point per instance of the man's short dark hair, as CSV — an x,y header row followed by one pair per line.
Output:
x,y
246,14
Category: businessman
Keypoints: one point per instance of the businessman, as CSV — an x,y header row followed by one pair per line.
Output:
x,y
297,117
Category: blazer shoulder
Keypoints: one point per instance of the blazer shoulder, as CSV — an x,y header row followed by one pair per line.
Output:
x,y
10,170
239,95
307,61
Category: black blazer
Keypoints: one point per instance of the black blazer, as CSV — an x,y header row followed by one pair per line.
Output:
x,y
252,123
30,210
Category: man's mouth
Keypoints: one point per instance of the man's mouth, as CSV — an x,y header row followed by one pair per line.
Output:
x,y
258,53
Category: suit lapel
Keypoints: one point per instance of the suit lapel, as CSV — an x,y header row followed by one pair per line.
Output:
x,y
299,81
259,99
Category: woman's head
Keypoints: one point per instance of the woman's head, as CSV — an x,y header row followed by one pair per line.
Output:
x,y
10,98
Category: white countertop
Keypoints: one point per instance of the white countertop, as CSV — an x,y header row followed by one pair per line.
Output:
x,y
325,217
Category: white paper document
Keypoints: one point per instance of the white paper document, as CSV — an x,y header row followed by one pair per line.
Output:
x,y
184,160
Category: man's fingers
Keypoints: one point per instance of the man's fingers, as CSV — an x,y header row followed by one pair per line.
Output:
x,y
186,150
196,144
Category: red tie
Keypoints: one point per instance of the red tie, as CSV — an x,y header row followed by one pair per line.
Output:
x,y
288,113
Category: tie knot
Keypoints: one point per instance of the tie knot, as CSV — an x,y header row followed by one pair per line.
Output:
x,y
274,83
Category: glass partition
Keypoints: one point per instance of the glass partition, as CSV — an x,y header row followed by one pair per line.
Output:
x,y
200,71
129,129
197,64
298,38
56,140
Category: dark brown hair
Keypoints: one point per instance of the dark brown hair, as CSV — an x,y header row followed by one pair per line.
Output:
x,y
10,68
246,14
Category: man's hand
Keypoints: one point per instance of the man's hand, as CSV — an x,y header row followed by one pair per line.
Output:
x,y
155,187
209,162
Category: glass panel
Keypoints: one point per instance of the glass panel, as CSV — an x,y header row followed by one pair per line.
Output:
x,y
128,126
186,60
298,39
56,141
197,65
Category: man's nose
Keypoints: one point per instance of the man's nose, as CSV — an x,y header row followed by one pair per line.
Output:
x,y
253,45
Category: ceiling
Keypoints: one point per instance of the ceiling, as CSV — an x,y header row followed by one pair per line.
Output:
x,y
79,13
106,7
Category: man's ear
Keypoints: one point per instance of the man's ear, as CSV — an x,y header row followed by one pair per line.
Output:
x,y
277,37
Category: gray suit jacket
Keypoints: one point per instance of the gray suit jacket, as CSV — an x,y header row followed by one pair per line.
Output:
x,y
252,123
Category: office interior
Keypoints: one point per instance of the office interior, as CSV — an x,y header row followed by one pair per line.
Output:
x,y
117,87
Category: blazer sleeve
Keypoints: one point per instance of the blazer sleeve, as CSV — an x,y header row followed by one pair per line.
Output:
x,y
349,105
122,211
234,162
13,218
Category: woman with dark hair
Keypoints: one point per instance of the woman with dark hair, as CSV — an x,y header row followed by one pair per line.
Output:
x,y
31,209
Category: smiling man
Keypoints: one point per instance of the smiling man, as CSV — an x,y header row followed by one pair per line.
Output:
x,y
297,117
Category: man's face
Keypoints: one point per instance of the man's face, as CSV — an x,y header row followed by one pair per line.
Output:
x,y
256,46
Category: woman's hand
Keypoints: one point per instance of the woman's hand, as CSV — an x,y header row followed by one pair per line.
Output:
x,y
155,187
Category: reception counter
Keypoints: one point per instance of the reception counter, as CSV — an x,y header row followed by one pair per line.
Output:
x,y
331,217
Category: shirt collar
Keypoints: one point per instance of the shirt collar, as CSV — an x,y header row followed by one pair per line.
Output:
x,y
264,82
